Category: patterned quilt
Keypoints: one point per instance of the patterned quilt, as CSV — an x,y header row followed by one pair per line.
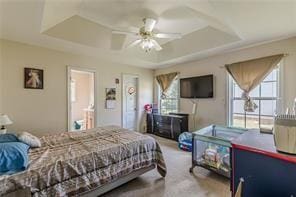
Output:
x,y
71,163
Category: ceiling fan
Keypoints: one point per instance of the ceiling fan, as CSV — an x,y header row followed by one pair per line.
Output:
x,y
146,36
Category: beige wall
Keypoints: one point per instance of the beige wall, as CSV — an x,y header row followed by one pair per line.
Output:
x,y
214,111
45,111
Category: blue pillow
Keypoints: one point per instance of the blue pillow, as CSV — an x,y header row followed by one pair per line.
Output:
x,y
13,157
8,137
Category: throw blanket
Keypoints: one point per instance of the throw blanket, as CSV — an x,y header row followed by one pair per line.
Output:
x,y
71,163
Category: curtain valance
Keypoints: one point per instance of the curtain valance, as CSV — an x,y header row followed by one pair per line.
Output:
x,y
249,74
165,80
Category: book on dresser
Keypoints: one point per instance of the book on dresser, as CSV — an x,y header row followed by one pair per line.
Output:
x,y
169,125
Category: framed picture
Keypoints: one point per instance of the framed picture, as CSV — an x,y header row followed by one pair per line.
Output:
x,y
110,98
110,94
33,78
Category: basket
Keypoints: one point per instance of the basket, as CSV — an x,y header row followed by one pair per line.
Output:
x,y
285,133
185,141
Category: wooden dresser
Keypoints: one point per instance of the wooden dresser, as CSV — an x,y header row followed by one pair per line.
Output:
x,y
264,171
169,126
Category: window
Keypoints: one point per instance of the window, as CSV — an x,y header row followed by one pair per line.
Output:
x,y
171,102
265,96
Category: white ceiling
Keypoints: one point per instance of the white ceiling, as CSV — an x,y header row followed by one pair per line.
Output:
x,y
208,26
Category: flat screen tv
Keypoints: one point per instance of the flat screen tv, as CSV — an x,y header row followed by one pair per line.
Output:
x,y
197,87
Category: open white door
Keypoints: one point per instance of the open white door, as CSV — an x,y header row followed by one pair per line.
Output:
x,y
81,99
130,101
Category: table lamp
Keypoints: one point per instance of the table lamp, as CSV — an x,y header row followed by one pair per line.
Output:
x,y
4,120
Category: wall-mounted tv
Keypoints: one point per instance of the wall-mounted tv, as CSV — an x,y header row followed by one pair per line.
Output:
x,y
197,87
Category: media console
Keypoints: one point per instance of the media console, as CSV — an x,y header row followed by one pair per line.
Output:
x,y
169,126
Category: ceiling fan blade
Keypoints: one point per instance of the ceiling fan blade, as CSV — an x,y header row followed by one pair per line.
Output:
x,y
168,35
125,32
149,24
134,43
156,45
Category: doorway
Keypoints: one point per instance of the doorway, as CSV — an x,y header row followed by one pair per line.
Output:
x,y
130,101
81,99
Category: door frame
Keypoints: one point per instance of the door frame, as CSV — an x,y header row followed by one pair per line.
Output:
x,y
69,109
123,99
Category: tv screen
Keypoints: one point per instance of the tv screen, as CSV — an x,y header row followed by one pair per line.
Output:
x,y
197,87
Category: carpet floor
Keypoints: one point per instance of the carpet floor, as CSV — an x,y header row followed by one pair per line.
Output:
x,y
178,182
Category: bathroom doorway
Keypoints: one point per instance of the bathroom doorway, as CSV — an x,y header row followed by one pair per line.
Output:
x,y
81,99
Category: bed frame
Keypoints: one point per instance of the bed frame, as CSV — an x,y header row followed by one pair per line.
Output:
x,y
108,187
98,191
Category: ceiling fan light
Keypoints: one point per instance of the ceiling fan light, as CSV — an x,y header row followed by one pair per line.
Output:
x,y
151,45
147,45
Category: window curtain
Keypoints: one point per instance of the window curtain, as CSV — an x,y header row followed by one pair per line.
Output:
x,y
249,74
165,82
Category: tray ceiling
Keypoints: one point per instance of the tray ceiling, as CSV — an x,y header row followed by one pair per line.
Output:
x,y
208,26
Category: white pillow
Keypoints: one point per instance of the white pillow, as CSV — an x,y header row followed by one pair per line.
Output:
x,y
29,139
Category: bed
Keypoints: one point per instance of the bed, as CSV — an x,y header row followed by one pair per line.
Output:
x,y
87,163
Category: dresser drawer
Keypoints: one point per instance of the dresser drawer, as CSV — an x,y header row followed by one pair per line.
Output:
x,y
169,126
162,119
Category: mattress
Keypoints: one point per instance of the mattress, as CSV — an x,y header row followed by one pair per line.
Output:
x,y
72,163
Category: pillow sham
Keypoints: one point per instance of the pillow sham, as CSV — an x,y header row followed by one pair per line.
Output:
x,y
13,157
29,139
8,137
